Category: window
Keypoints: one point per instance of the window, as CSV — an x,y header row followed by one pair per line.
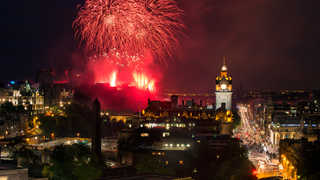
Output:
x,y
144,134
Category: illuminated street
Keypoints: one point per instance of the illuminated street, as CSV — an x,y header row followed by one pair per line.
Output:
x,y
259,147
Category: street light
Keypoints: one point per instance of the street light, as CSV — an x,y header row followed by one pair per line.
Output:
x,y
254,172
52,135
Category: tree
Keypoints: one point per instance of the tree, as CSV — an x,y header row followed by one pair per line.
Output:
x,y
28,158
134,141
72,162
236,119
61,164
228,169
79,118
11,113
76,119
149,164
231,162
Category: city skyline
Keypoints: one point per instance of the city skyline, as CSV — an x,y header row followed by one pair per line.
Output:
x,y
160,89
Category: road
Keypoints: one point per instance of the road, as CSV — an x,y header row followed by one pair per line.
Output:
x,y
108,145
260,151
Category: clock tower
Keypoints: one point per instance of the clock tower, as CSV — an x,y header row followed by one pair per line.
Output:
x,y
223,88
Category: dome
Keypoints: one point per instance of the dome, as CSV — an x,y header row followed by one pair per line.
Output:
x,y
224,68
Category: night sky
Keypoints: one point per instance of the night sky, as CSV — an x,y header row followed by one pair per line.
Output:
x,y
270,44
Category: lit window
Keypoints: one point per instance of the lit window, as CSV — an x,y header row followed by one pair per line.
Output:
x,y
144,134
165,134
188,145
223,86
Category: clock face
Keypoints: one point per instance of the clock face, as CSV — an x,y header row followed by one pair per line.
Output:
x,y
223,86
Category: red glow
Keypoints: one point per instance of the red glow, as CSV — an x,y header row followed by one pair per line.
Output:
x,y
123,98
115,70
126,36
139,80
61,82
121,86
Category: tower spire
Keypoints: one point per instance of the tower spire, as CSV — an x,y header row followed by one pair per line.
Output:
x,y
224,87
224,65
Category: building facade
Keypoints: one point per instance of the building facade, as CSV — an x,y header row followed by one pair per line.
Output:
x,y
224,88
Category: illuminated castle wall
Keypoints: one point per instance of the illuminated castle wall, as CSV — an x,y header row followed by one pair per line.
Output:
x,y
224,88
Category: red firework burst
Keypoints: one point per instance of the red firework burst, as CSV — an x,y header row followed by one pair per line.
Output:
x,y
130,26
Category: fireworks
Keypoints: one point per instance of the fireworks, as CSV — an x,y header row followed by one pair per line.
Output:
x,y
143,82
130,27
115,58
126,35
113,79
105,72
